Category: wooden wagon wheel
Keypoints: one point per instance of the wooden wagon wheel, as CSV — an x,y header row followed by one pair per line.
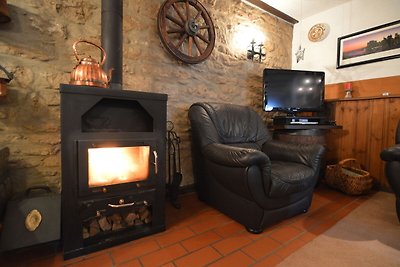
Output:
x,y
186,30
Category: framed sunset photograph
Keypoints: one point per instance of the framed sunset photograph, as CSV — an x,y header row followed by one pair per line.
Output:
x,y
371,45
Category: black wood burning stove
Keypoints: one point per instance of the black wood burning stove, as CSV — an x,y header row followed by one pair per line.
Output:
x,y
113,166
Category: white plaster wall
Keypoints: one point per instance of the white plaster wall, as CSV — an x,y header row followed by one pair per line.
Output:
x,y
351,17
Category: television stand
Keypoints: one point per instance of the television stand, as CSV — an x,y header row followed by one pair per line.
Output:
x,y
300,120
289,127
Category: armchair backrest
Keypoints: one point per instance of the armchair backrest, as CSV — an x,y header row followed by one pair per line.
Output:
x,y
227,124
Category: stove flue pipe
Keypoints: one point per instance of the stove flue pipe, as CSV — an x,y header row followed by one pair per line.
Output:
x,y
111,39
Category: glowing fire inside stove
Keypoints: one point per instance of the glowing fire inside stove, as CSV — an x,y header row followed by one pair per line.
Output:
x,y
115,165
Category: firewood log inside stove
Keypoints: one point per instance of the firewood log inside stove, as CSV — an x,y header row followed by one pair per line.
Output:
x,y
130,218
85,233
144,213
147,219
116,221
138,222
94,228
104,224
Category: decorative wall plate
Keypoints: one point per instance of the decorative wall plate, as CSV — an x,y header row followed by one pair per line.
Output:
x,y
318,32
186,30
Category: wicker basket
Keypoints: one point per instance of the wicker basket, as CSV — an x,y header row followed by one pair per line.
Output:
x,y
348,177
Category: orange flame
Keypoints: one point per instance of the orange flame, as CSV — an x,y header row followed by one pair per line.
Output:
x,y
115,165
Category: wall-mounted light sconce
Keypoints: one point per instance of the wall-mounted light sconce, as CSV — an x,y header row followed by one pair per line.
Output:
x,y
256,52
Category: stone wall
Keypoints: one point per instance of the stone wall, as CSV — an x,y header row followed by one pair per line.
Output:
x,y
37,46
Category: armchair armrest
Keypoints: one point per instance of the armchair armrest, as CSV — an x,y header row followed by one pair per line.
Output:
x,y
234,156
391,154
309,155
231,166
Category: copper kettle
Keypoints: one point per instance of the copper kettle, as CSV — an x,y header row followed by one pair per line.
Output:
x,y
88,71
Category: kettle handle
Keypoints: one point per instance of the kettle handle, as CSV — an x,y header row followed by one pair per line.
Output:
x,y
84,41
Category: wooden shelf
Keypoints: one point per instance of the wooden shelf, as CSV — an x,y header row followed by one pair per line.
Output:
x,y
361,98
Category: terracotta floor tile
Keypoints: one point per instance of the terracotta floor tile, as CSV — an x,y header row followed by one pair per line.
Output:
x,y
265,233
163,256
133,250
172,237
305,223
323,227
231,244
200,241
285,234
307,237
48,262
229,229
236,259
99,261
269,261
260,248
199,235
133,263
209,223
194,217
199,258
290,247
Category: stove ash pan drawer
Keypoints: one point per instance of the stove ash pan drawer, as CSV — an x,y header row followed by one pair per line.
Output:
x,y
123,203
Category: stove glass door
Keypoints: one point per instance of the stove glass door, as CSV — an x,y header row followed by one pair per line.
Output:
x,y
117,165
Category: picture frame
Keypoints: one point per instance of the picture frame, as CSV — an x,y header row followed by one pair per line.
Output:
x,y
371,45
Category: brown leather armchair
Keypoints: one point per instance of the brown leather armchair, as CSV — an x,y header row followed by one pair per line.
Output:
x,y
392,167
242,172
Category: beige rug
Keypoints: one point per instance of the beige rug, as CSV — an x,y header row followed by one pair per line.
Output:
x,y
368,236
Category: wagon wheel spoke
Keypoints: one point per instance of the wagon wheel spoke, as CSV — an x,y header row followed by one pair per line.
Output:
x,y
187,9
204,39
190,45
198,15
196,42
182,39
204,27
181,26
173,19
179,12
176,30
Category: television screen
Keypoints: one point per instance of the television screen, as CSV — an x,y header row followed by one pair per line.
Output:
x,y
293,91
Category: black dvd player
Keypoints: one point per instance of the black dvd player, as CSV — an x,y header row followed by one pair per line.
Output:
x,y
293,120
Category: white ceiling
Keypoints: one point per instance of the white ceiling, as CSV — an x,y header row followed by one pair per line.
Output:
x,y
301,9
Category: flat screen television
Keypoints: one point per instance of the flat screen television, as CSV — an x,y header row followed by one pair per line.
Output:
x,y
293,91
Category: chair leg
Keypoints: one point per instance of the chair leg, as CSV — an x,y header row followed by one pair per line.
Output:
x,y
254,231
398,208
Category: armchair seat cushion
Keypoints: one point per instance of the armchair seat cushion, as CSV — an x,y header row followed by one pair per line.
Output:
x,y
289,178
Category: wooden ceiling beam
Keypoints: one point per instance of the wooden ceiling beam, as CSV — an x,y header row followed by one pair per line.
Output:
x,y
272,10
